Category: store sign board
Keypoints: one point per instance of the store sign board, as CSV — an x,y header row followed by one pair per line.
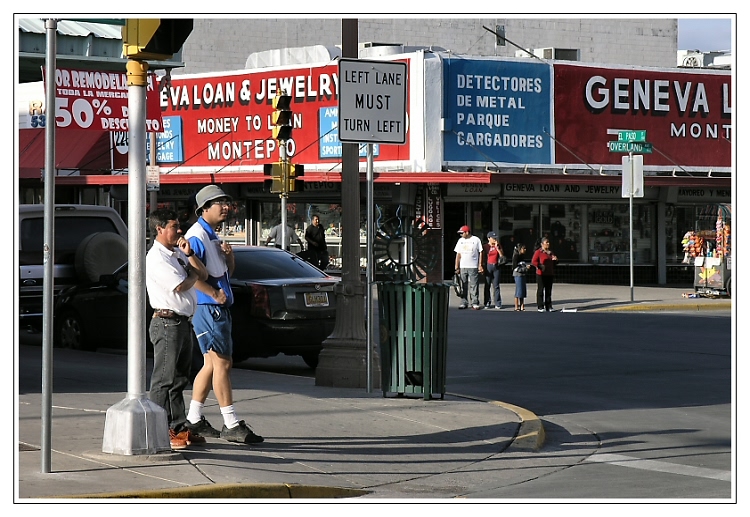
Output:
x,y
226,118
496,111
98,100
583,193
687,114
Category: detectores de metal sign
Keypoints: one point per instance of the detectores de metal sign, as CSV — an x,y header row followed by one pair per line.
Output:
x,y
372,101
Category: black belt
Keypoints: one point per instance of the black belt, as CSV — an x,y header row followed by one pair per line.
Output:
x,y
168,314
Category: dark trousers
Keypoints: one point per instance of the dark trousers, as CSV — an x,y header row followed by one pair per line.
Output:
x,y
544,291
173,352
492,277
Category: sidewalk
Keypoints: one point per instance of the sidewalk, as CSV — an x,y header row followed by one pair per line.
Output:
x,y
321,442
592,297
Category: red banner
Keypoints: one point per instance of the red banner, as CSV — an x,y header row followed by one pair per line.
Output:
x,y
226,118
687,115
97,100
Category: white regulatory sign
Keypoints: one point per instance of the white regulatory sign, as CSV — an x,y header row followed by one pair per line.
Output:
x,y
152,178
372,101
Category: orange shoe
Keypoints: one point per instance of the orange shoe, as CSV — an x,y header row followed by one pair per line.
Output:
x,y
178,441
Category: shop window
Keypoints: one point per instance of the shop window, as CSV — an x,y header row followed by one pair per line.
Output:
x,y
609,234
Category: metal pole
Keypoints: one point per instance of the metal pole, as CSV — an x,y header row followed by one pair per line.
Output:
x,y
284,189
137,232
49,246
370,266
632,187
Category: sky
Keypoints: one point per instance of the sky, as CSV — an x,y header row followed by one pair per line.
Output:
x,y
704,34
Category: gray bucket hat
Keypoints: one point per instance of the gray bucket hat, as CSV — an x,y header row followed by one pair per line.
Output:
x,y
206,194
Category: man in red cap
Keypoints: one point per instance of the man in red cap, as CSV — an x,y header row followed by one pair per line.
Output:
x,y
469,264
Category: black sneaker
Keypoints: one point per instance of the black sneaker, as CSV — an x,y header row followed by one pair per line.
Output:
x,y
202,429
240,434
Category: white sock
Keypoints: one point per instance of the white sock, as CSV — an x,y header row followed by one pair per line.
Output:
x,y
195,412
230,417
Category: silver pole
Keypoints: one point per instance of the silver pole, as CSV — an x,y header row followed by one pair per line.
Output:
x,y
284,188
370,265
137,236
49,246
632,187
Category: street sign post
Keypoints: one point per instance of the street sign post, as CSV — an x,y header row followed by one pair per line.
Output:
x,y
372,110
632,176
372,101
632,135
630,147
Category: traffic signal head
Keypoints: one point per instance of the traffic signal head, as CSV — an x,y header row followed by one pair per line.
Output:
x,y
155,39
295,183
282,116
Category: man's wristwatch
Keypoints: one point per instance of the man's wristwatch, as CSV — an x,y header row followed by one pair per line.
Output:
x,y
192,252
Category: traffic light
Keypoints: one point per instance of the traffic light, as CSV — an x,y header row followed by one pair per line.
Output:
x,y
274,180
295,184
281,118
155,39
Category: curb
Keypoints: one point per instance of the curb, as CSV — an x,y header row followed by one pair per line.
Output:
x,y
531,435
719,306
229,491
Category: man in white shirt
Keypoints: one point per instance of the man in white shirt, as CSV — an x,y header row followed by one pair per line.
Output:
x,y
171,272
469,264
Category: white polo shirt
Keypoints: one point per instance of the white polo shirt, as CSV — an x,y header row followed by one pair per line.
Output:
x,y
163,274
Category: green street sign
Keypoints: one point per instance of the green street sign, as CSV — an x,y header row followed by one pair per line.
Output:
x,y
630,147
632,136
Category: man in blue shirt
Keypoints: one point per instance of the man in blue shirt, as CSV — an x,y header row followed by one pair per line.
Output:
x,y
213,321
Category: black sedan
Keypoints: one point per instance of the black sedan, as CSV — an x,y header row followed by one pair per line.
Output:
x,y
282,304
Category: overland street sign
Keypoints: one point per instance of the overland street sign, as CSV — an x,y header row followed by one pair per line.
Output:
x,y
630,147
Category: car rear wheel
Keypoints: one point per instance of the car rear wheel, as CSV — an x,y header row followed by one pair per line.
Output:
x,y
70,332
311,359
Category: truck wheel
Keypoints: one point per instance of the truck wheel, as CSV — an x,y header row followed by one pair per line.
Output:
x,y
100,254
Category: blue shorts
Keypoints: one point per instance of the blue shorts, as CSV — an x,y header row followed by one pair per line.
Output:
x,y
213,328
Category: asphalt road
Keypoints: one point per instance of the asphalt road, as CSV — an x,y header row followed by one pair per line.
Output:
x,y
637,405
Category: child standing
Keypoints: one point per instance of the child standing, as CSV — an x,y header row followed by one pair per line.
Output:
x,y
519,275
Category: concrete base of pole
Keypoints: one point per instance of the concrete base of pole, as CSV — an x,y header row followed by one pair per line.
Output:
x,y
136,426
343,364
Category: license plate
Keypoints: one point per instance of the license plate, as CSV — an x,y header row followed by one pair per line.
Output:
x,y
316,299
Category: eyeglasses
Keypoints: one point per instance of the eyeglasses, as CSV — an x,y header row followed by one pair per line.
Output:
x,y
221,202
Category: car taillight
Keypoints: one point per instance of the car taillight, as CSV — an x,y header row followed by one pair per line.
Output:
x,y
261,306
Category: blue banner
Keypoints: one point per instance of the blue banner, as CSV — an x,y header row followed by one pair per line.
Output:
x,y
497,111
168,142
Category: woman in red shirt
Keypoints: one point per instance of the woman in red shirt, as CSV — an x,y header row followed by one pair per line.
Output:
x,y
495,259
544,261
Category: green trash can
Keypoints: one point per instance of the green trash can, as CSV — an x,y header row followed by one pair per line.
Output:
x,y
413,337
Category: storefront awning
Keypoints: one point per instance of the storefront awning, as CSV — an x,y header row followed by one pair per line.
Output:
x,y
75,149
412,177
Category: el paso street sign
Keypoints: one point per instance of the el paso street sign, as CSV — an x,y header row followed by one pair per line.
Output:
x,y
632,135
630,147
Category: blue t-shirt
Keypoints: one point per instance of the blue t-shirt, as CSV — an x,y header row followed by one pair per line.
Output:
x,y
217,283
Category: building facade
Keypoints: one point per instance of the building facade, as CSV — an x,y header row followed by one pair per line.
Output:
x,y
518,145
